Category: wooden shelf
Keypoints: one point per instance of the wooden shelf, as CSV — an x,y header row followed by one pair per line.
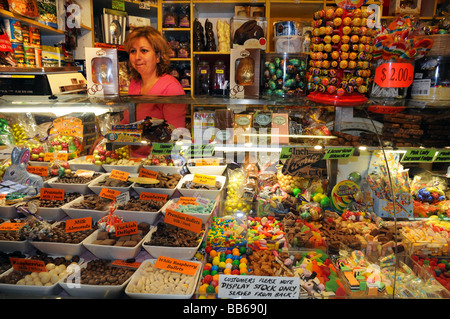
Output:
x,y
180,59
211,52
176,29
45,29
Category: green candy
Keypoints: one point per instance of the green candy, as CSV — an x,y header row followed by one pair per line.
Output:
x,y
278,92
294,62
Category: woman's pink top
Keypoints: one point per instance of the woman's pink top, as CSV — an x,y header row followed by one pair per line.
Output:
x,y
174,114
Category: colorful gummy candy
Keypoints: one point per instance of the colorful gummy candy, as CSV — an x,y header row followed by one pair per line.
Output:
x,y
318,275
398,41
361,277
265,233
300,233
193,209
227,232
221,261
438,267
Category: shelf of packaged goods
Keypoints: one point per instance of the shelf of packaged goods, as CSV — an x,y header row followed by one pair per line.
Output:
x,y
45,29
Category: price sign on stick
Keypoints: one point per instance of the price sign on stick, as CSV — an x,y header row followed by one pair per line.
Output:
x,y
394,75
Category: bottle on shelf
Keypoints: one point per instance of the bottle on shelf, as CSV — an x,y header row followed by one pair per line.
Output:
x,y
219,82
203,78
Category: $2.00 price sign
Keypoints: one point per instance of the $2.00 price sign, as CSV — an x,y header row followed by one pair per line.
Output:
x,y
394,75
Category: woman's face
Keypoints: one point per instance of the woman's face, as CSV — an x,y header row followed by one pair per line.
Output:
x,y
143,57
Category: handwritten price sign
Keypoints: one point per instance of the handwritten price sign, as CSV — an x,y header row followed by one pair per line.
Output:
x,y
394,75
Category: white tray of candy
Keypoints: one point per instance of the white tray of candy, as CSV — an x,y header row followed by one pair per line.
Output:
x,y
132,169
59,248
49,281
14,245
203,166
139,215
195,192
94,187
84,164
73,187
80,213
185,253
203,216
79,290
110,251
130,292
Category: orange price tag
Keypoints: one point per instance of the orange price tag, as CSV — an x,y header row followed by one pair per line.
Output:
x,y
143,172
109,193
52,193
394,75
153,196
27,265
38,170
177,265
78,224
62,156
49,157
125,229
89,157
182,220
187,201
8,226
122,176
208,162
204,179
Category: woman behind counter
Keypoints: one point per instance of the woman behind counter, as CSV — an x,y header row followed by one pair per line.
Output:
x,y
149,64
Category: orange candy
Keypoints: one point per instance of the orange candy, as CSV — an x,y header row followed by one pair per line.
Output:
x,y
227,271
202,288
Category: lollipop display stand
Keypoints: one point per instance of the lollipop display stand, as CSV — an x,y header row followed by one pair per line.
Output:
x,y
341,51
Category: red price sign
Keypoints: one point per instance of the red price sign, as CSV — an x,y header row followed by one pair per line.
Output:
x,y
394,75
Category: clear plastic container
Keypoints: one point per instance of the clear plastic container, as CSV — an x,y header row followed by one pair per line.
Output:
x,y
432,79
284,74
288,44
388,92
203,78
219,81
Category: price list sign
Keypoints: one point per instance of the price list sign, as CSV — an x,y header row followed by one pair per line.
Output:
x,y
394,75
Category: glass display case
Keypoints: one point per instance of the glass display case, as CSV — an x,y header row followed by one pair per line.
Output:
x,y
350,201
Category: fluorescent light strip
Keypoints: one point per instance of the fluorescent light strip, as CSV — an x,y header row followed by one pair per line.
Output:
x,y
56,110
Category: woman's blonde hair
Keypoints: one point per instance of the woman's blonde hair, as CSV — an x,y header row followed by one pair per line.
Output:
x,y
158,43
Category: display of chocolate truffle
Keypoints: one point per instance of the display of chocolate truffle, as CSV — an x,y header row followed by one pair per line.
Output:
x,y
341,51
284,75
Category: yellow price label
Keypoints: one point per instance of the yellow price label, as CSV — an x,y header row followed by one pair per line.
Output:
x,y
204,179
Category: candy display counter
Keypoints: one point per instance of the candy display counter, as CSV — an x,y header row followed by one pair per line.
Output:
x,y
332,202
